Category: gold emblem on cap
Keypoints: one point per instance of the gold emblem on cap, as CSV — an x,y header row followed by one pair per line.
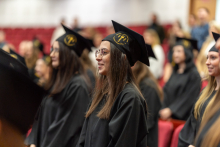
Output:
x,y
121,39
70,40
186,43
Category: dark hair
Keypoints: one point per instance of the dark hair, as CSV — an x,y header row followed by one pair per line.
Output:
x,y
69,64
141,71
120,73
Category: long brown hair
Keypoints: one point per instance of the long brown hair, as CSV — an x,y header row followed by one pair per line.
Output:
x,y
69,64
120,73
141,71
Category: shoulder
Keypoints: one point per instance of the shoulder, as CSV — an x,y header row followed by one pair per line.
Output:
x,y
77,81
194,73
130,94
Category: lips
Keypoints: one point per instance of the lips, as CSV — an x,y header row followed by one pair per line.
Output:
x,y
100,65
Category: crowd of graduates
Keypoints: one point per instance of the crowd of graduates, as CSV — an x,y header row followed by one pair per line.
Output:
x,y
95,90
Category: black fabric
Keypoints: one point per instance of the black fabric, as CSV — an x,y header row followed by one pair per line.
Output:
x,y
187,43
37,44
130,43
60,118
74,41
215,36
213,49
150,51
191,127
92,81
19,96
159,29
181,90
148,90
126,127
17,56
206,129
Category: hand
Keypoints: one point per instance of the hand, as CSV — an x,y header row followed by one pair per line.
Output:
x,y
165,113
191,146
33,145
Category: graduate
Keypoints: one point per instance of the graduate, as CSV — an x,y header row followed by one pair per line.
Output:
x,y
183,87
153,95
208,134
19,101
43,70
61,115
117,115
191,127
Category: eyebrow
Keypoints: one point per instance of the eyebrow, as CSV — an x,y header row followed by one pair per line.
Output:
x,y
104,48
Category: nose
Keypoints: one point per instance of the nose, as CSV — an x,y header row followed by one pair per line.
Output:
x,y
52,54
208,62
98,57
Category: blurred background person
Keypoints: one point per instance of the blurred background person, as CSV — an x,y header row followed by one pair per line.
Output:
x,y
22,48
75,25
207,45
192,21
157,27
31,56
175,31
201,31
153,95
43,70
183,87
20,99
2,38
156,65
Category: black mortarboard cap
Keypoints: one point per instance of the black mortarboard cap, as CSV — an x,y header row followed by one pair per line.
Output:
x,y
74,41
150,51
213,49
130,43
215,36
187,43
38,44
19,96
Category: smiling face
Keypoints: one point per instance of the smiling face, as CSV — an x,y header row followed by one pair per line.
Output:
x,y
178,54
54,54
103,57
213,64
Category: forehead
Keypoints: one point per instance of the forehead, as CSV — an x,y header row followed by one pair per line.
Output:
x,y
213,53
105,44
178,47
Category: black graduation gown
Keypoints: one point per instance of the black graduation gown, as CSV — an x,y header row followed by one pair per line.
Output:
x,y
191,127
126,127
60,118
206,129
147,87
181,92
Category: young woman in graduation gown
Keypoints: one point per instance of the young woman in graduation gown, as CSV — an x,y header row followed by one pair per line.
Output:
x,y
117,116
209,134
153,95
61,115
191,127
183,87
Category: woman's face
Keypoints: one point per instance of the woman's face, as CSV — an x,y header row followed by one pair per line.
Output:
x,y
29,50
40,68
54,54
103,57
213,64
178,54
148,38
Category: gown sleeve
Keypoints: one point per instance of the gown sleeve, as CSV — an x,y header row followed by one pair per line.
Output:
x,y
184,103
128,126
82,137
188,133
69,118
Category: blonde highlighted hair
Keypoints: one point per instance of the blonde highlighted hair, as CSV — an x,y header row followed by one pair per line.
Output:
x,y
153,33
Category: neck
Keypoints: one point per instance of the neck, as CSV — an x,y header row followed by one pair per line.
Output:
x,y
217,78
182,67
203,22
